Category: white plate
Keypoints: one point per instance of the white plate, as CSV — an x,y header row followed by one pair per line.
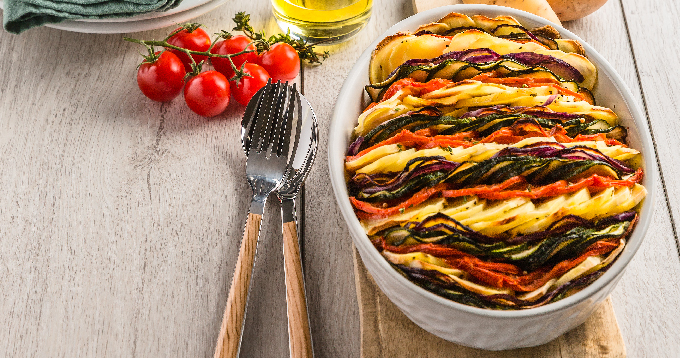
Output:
x,y
137,26
186,11
183,6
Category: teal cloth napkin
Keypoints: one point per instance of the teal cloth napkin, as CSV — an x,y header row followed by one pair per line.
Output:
x,y
21,15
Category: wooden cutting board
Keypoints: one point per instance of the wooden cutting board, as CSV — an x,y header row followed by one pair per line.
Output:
x,y
387,333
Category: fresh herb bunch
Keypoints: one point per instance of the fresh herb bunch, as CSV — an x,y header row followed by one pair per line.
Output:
x,y
262,42
242,64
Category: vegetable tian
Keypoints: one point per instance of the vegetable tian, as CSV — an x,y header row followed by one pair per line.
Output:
x,y
484,171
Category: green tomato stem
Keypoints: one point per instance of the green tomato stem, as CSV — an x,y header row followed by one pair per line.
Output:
x,y
196,68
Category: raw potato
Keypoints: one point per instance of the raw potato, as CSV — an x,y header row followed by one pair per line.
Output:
x,y
536,7
568,10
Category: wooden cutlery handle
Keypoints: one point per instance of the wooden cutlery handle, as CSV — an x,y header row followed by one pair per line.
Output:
x,y
229,340
299,336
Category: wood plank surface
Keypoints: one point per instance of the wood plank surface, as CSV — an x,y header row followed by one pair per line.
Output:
x,y
646,299
649,25
120,219
328,263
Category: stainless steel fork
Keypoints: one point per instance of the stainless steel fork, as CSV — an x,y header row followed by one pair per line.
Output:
x,y
267,154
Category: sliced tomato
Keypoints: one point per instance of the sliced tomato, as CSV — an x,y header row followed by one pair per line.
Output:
x,y
416,88
500,191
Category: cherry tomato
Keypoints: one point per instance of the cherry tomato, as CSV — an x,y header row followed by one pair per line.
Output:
x,y
229,46
161,80
281,62
207,94
197,40
245,89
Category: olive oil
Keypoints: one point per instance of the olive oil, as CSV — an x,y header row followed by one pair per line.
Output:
x,y
327,21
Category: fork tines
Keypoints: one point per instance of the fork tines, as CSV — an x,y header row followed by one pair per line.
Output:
x,y
265,118
269,117
283,126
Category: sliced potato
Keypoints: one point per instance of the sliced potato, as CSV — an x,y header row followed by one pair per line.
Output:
x,y
390,158
472,39
455,20
415,213
397,49
469,93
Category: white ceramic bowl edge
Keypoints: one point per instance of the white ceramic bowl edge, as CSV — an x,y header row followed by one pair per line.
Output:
x,y
471,326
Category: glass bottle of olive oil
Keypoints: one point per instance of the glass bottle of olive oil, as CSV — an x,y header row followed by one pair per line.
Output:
x,y
330,21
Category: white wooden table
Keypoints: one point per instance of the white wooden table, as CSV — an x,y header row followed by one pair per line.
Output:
x,y
120,219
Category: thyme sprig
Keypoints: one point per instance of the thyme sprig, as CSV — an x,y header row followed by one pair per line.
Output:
x,y
262,42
